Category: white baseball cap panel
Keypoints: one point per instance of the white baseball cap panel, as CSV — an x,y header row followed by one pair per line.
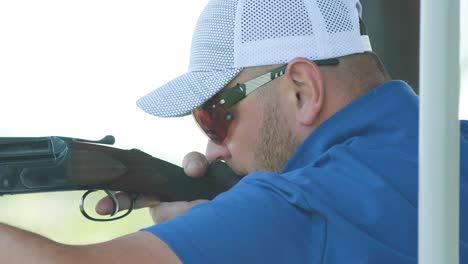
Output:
x,y
233,34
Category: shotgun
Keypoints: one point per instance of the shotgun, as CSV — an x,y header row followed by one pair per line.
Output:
x,y
46,164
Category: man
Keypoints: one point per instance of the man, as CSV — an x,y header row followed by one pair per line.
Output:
x,y
291,96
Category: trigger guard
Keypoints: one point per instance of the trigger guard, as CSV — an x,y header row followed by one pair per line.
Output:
x,y
133,197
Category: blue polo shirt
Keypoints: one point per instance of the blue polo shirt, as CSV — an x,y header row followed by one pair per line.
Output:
x,y
347,195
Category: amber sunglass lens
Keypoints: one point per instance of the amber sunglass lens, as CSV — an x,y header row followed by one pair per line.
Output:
x,y
213,122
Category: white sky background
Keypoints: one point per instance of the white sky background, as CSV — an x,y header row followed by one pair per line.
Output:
x,y
76,68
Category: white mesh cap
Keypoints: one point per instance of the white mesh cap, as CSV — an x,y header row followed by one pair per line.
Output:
x,y
233,34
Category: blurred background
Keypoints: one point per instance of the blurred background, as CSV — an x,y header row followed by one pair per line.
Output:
x,y
76,68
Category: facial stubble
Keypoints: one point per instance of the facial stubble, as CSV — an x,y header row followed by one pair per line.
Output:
x,y
276,141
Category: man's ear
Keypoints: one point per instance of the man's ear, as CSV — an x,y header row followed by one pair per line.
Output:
x,y
307,84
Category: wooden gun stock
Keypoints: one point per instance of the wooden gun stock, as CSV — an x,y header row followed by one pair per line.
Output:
x,y
101,167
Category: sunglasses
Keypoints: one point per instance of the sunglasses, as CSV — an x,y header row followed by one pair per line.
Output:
x,y
214,117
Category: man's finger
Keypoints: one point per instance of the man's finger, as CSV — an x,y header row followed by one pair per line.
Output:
x,y
105,206
195,164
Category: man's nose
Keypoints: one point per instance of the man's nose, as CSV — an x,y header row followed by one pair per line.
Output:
x,y
217,151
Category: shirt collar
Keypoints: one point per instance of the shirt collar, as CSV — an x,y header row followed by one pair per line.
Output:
x,y
377,112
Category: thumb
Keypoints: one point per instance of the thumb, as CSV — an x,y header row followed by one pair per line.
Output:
x,y
195,164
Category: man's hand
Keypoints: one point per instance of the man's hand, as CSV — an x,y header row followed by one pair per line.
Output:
x,y
194,164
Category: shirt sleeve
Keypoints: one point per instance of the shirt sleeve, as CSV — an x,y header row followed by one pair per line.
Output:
x,y
251,223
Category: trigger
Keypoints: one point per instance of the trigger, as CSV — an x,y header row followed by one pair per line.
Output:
x,y
114,200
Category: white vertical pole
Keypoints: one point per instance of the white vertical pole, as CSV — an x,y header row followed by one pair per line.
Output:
x,y
439,132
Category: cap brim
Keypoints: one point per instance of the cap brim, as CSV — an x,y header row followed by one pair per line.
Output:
x,y
183,94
